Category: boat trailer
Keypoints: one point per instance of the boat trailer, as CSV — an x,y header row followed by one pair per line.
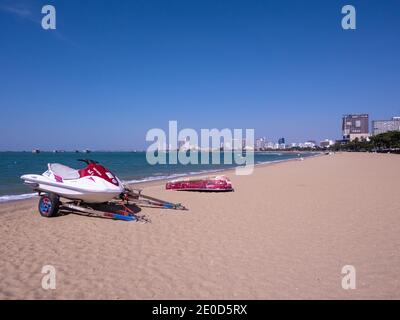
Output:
x,y
124,208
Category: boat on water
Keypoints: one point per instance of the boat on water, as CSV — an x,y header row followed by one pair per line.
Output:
x,y
217,183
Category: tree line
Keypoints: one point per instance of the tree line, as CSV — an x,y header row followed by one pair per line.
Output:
x,y
384,142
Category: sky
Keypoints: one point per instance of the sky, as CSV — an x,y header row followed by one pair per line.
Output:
x,y
112,70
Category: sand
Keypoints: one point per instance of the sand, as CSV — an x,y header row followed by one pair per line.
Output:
x,y
285,233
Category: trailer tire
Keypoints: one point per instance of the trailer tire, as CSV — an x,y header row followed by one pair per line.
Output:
x,y
49,205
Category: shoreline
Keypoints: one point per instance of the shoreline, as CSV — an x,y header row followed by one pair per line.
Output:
x,y
156,182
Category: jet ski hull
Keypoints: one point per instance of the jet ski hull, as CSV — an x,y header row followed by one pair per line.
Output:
x,y
87,189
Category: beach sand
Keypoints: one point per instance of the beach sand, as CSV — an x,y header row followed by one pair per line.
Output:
x,y
285,233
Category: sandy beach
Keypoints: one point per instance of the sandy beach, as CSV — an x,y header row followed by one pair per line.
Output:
x,y
285,233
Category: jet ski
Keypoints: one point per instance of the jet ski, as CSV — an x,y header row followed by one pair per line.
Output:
x,y
93,184
87,189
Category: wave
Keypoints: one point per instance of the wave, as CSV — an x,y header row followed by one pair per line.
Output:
x,y
15,197
173,176
154,178
164,177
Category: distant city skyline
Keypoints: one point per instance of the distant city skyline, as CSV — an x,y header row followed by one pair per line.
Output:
x,y
111,71
377,127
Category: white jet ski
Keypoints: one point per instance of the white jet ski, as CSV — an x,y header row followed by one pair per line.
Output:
x,y
93,184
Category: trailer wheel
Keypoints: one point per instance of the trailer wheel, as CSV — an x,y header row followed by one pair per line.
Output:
x,y
49,205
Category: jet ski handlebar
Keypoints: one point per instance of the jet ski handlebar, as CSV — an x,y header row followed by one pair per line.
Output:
x,y
88,161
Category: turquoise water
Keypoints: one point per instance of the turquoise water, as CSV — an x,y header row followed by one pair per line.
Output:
x,y
129,166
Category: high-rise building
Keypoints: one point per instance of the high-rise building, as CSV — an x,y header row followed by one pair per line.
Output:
x,y
281,140
247,145
309,144
382,126
269,145
355,126
260,143
326,143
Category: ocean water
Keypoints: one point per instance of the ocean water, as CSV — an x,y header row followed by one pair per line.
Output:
x,y
128,166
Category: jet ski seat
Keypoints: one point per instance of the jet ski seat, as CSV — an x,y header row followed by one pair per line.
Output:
x,y
64,172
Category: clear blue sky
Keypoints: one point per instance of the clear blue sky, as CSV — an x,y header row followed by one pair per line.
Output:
x,y
114,69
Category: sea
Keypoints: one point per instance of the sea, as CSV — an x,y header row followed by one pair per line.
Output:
x,y
131,167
